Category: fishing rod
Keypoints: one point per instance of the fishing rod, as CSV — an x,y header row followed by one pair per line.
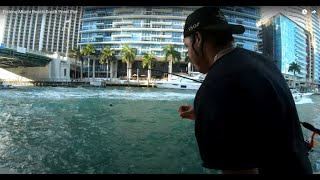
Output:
x,y
310,127
314,130
199,81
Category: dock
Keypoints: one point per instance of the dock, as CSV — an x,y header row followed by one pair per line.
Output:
x,y
131,83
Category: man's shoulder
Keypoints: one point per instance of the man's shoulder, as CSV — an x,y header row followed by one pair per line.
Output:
x,y
245,53
234,65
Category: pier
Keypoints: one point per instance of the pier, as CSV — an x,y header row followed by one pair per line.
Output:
x,y
131,83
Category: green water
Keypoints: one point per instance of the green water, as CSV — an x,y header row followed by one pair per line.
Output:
x,y
103,130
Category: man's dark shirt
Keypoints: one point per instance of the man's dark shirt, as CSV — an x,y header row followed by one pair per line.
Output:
x,y
246,117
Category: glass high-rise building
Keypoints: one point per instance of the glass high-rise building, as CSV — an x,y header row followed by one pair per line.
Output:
x,y
152,28
314,28
248,17
308,21
286,41
144,28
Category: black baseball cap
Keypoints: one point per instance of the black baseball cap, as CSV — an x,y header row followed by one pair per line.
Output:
x,y
209,18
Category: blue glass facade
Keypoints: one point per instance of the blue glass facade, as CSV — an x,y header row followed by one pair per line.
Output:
x,y
290,41
310,23
248,17
144,28
152,28
316,39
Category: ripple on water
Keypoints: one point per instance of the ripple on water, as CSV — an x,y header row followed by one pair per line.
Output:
x,y
75,130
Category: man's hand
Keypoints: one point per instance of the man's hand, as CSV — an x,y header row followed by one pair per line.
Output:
x,y
187,112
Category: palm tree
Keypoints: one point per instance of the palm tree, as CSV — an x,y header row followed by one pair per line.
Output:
x,y
75,53
188,61
96,55
175,56
87,51
187,58
107,55
112,61
128,54
294,67
148,61
81,70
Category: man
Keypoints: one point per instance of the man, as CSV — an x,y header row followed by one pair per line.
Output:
x,y
245,117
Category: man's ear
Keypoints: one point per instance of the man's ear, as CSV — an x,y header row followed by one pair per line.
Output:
x,y
198,39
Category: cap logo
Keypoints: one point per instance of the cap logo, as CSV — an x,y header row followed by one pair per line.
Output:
x,y
221,16
193,26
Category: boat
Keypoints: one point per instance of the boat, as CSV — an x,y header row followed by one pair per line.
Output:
x,y
297,96
6,86
182,82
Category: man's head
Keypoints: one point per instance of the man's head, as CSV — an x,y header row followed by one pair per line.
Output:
x,y
206,32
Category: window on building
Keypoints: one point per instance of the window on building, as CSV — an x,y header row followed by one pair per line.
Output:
x,y
239,45
65,72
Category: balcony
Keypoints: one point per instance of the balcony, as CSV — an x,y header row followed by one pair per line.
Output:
x,y
186,13
249,35
100,12
239,43
98,36
116,49
99,24
317,33
156,49
123,10
300,58
89,16
134,15
177,27
225,11
248,38
161,23
121,36
162,10
145,39
239,20
161,36
301,44
300,33
179,40
122,23
247,25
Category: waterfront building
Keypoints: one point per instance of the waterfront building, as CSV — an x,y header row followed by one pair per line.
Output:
x,y
41,28
306,17
150,29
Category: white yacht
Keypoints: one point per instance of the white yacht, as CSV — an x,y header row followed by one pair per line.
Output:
x,y
188,82
297,96
6,86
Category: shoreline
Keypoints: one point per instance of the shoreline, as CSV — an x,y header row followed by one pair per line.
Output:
x,y
131,83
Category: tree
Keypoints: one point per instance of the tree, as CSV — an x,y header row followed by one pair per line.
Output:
x,y
75,53
128,55
294,67
107,55
175,56
188,61
187,58
87,51
148,61
96,55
